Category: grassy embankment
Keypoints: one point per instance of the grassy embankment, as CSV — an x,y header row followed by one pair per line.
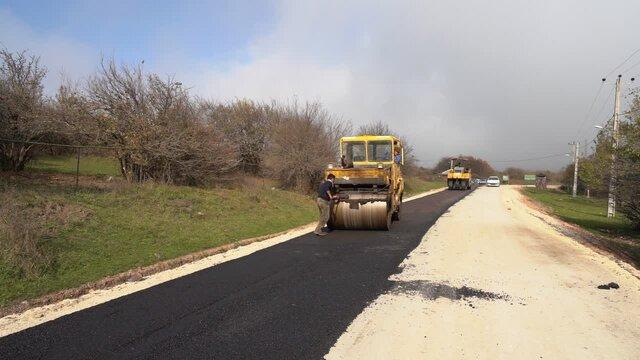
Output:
x,y
86,235
414,185
617,234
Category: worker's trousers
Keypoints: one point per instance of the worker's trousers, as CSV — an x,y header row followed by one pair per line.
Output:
x,y
324,207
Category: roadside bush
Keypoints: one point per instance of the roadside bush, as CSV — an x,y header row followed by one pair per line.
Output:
x,y
22,108
243,123
628,169
71,112
628,194
158,132
21,238
302,141
380,128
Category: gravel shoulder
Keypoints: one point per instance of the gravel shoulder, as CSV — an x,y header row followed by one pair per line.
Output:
x,y
492,279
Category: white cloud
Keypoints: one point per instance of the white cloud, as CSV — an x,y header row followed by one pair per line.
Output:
x,y
60,55
500,79
503,79
279,77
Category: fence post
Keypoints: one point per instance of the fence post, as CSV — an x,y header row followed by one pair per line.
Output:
x,y
77,166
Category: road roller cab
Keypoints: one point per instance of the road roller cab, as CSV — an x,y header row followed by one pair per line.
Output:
x,y
368,183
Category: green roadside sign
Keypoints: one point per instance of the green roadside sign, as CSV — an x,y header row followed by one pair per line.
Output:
x,y
529,178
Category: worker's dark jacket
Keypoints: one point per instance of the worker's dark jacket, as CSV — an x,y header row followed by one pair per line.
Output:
x,y
323,188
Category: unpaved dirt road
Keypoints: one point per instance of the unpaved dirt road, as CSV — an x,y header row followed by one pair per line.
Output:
x,y
491,280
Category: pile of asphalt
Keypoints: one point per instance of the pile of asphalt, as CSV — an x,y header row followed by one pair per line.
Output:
x,y
608,286
433,291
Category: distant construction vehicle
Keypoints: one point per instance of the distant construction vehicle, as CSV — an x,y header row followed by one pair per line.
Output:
x,y
458,176
368,183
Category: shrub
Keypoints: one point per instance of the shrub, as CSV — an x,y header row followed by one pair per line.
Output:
x,y
157,131
302,141
243,123
22,104
380,128
21,238
628,169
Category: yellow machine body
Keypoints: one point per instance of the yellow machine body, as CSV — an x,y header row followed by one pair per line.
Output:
x,y
368,183
458,177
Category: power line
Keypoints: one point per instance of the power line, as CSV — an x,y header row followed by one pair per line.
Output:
x,y
588,115
622,63
604,105
529,159
631,112
593,141
590,110
631,67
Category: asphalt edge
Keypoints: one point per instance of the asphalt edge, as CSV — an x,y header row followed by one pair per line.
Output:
x,y
44,307
425,237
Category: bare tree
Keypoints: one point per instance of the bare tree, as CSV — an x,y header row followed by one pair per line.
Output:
x,y
302,141
70,110
381,128
628,158
157,131
244,123
375,128
22,107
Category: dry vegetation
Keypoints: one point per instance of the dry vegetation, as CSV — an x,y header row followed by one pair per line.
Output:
x,y
22,107
25,227
158,131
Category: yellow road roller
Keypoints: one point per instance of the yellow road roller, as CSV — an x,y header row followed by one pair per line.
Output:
x,y
458,176
368,183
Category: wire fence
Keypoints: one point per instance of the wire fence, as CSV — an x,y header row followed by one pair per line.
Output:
x,y
73,159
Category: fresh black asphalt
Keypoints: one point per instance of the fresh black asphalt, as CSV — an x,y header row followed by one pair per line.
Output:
x,y
289,301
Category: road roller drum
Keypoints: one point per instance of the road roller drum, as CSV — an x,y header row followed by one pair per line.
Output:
x,y
362,211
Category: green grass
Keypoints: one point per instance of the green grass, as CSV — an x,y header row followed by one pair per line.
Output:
x,y
591,214
140,225
66,164
414,185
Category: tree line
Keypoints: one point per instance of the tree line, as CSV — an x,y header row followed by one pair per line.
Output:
x,y
595,170
158,131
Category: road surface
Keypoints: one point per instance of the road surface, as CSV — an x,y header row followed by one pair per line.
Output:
x,y
492,280
291,300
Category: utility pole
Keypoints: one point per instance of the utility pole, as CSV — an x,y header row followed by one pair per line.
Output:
x,y
576,149
611,208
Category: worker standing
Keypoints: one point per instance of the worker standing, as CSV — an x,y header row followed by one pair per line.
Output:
x,y
324,204
397,157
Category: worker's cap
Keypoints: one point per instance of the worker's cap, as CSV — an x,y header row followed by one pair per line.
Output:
x,y
331,176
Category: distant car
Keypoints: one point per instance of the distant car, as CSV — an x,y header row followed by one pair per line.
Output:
x,y
482,181
493,181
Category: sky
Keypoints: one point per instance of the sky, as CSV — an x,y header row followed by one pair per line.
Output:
x,y
511,81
